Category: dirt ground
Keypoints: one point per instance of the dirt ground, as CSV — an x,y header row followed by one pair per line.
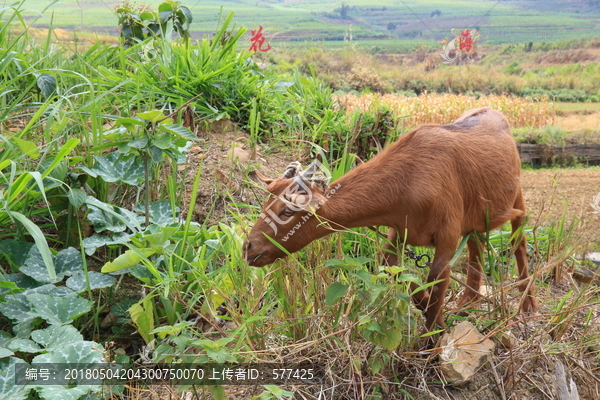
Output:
x,y
548,193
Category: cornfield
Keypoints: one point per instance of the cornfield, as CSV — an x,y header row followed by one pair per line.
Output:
x,y
444,108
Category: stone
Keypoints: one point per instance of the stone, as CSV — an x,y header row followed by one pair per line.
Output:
x,y
593,257
463,353
239,154
584,275
508,340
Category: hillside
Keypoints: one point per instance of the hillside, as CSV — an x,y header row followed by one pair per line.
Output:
x,y
300,20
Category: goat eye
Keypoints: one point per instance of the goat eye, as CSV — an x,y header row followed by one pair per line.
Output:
x,y
287,212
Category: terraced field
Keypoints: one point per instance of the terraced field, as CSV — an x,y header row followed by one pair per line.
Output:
x,y
506,22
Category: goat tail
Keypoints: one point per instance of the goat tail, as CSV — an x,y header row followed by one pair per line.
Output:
x,y
506,216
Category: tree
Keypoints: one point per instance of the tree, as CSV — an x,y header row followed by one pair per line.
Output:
x,y
391,26
436,12
344,11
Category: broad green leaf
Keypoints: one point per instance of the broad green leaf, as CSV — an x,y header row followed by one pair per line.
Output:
x,y
40,241
30,149
129,122
161,238
92,243
180,131
17,307
58,310
61,291
139,143
161,212
56,336
16,252
23,345
166,6
147,15
187,13
221,355
8,389
163,331
273,391
218,392
374,293
121,309
15,283
76,197
163,352
80,352
142,273
118,167
165,15
15,310
127,259
67,262
120,133
108,217
156,154
163,141
334,292
4,352
152,116
142,315
97,281
392,338
85,352
374,326
47,84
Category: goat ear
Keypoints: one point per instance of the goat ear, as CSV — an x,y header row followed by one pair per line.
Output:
x,y
263,178
307,202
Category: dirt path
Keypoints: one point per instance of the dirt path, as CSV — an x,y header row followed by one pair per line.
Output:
x,y
546,192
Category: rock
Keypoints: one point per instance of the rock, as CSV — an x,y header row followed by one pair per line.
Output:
x,y
231,185
593,257
108,321
462,353
508,340
584,275
239,154
564,392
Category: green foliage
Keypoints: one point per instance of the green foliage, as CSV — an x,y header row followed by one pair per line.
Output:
x,y
381,301
140,23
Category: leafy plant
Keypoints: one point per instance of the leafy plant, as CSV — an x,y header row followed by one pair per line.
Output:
x,y
32,296
138,23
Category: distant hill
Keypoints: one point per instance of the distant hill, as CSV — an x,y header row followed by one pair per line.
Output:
x,y
298,20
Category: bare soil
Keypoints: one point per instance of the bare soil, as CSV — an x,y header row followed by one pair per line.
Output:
x,y
551,193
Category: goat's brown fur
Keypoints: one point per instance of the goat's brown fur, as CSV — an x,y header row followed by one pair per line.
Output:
x,y
437,184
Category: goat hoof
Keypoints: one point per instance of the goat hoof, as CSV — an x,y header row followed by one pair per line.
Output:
x,y
467,299
530,305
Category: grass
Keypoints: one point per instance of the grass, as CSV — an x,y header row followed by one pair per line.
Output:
x,y
577,106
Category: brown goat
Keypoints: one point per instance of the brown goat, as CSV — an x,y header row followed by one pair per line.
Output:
x,y
436,184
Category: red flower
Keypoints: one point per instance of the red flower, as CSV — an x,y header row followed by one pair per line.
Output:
x,y
465,42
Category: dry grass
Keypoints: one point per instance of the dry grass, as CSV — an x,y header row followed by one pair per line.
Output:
x,y
444,108
574,122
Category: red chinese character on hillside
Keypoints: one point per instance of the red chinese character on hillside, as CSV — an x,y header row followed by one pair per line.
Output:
x,y
465,42
258,40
